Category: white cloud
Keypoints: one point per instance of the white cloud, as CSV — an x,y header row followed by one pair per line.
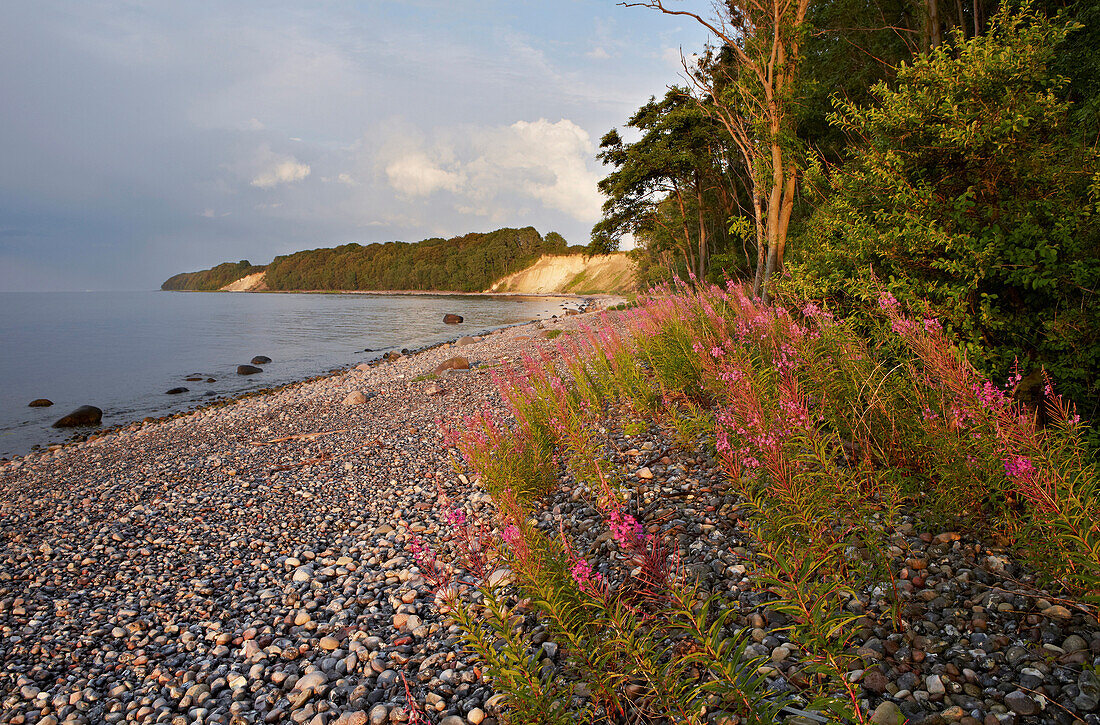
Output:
x,y
282,172
498,170
598,53
415,174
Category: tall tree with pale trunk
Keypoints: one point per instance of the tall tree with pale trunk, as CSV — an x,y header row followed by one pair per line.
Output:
x,y
752,93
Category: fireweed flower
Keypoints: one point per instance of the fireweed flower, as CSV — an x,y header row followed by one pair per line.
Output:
x,y
887,301
589,580
1019,468
457,517
626,530
511,535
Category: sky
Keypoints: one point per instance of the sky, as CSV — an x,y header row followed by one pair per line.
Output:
x,y
143,138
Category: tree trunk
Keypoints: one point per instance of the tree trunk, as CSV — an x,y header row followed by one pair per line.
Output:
x,y
935,33
702,273
761,245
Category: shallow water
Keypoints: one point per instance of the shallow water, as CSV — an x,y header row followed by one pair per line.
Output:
x,y
120,351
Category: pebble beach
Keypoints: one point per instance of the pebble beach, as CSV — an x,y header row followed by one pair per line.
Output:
x,y
252,563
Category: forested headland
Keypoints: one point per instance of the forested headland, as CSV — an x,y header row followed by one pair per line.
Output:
x,y
469,263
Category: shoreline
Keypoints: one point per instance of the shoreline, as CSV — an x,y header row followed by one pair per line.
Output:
x,y
603,297
257,560
242,550
45,442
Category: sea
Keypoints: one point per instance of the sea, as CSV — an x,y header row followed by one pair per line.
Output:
x,y
122,351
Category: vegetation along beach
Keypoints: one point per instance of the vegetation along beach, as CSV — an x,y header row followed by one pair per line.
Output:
x,y
804,432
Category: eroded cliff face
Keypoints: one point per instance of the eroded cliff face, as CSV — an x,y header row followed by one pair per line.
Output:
x,y
248,283
575,273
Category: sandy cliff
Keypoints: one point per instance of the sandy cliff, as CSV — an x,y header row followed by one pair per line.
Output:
x,y
574,273
248,283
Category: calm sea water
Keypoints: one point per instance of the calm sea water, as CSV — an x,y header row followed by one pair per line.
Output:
x,y
120,351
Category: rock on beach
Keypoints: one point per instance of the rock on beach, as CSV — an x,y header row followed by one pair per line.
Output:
x,y
248,370
455,363
40,403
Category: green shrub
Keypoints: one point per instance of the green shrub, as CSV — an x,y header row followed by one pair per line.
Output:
x,y
968,188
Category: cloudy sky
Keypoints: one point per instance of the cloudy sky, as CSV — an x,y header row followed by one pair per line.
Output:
x,y
139,138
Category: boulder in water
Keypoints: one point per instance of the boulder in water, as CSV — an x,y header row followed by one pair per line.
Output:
x,y
261,360
452,319
248,370
84,415
176,391
40,403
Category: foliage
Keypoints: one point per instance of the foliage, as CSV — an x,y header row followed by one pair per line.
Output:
x,y
469,263
672,189
210,280
824,438
966,188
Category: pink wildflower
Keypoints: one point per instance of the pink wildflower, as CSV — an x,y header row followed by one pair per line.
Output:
x,y
1019,468
589,580
626,530
511,535
887,301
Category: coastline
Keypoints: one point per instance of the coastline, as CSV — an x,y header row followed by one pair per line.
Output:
x,y
263,542
31,433
256,562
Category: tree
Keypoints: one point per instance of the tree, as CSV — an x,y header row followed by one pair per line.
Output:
x,y
672,189
968,189
752,84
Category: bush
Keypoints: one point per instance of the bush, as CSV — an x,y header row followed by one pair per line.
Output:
x,y
967,187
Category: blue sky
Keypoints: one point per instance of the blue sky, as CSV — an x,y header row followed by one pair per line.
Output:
x,y
140,138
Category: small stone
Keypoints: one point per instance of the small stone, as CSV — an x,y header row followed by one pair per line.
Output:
x,y
357,717
1089,685
1057,612
644,473
1021,703
329,643
1074,643
934,685
476,716
312,681
887,714
355,397
303,574
500,578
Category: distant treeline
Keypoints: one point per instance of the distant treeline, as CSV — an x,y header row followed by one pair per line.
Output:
x,y
464,264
